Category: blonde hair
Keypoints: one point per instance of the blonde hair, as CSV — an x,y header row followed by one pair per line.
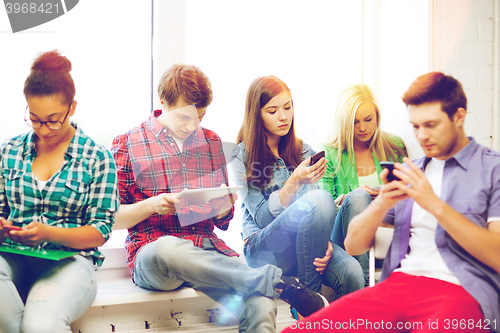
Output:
x,y
383,144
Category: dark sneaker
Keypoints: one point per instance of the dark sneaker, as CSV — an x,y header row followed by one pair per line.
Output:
x,y
303,299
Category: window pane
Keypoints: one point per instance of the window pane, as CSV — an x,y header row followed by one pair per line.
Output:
x,y
314,47
109,45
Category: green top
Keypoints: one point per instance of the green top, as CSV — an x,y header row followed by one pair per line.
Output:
x,y
346,179
370,180
38,252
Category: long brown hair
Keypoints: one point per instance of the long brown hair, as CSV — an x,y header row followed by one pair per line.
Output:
x,y
260,157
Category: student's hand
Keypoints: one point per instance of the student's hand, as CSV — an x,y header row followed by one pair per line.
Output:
x,y
166,203
34,234
368,190
419,187
4,233
390,193
305,174
222,206
322,263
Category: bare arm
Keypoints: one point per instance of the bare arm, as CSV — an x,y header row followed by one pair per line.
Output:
x,y
363,227
483,244
36,233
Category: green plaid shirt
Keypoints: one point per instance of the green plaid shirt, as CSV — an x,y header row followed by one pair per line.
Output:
x,y
83,192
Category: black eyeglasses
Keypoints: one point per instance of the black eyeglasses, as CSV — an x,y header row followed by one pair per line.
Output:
x,y
50,124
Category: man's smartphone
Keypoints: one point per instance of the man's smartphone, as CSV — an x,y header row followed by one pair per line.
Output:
x,y
11,227
316,157
390,167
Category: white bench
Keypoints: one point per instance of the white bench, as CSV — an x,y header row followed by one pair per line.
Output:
x,y
122,306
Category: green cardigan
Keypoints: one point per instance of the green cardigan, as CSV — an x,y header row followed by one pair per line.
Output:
x,y
346,179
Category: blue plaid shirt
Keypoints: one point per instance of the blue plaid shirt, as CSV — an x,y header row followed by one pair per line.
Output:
x,y
83,192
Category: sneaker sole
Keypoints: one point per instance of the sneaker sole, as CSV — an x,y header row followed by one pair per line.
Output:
x,y
325,301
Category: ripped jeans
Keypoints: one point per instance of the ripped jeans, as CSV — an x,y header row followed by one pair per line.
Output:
x,y
39,295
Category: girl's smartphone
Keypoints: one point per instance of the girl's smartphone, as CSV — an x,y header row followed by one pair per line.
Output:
x,y
389,166
316,157
375,188
11,227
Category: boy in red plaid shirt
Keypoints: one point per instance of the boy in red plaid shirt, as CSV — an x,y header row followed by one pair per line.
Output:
x,y
171,244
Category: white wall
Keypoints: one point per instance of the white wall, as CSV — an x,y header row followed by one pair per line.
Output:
x,y
396,48
463,46
111,61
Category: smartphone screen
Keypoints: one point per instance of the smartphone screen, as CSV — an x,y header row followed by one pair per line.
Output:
x,y
390,167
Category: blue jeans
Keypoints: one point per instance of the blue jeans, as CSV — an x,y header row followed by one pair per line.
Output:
x,y
299,235
353,204
247,293
39,295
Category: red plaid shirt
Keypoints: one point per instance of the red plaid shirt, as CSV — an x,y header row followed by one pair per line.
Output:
x,y
149,162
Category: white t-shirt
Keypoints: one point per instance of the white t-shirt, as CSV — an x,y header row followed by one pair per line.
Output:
x,y
180,143
41,183
424,258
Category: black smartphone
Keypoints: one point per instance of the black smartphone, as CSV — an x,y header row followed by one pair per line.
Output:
x,y
390,167
316,157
